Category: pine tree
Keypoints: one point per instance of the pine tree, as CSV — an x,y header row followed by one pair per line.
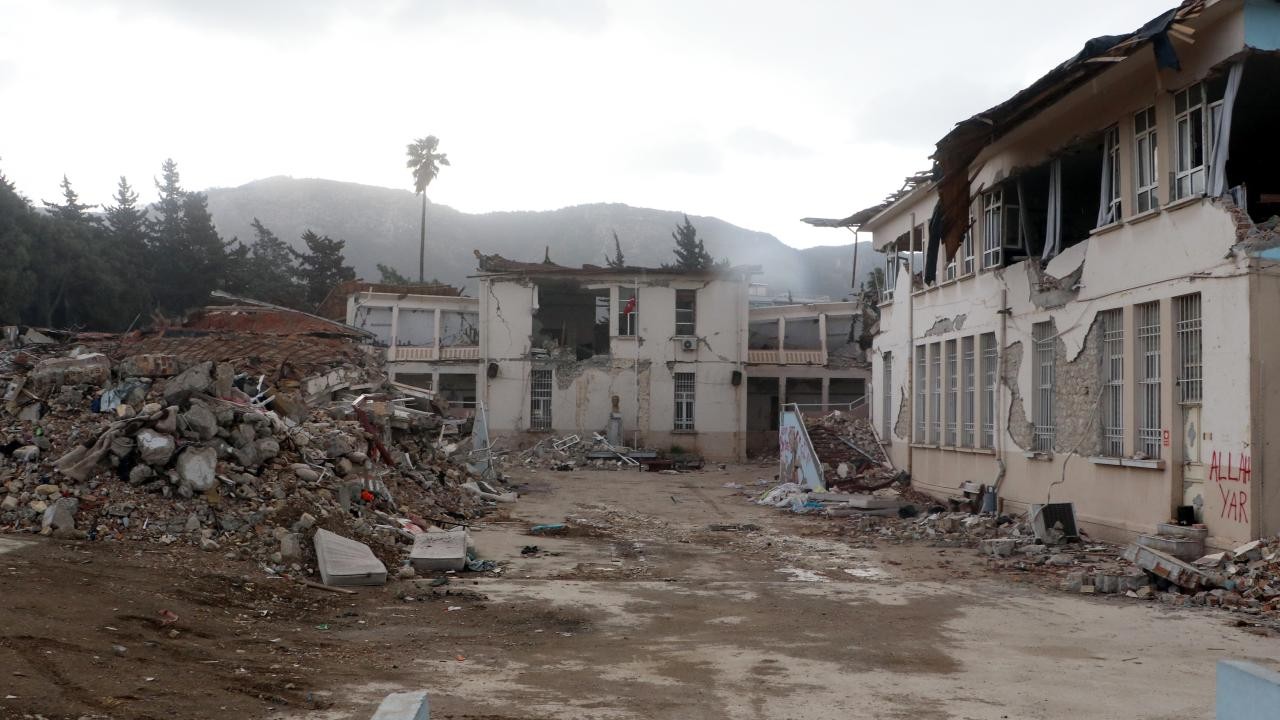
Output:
x,y
266,270
690,252
16,278
322,266
391,276
71,209
188,258
617,262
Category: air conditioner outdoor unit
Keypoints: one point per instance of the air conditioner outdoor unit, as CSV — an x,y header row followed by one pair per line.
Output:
x,y
688,344
1045,517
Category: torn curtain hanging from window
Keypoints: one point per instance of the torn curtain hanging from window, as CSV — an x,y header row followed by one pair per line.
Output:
x,y
1217,184
1053,212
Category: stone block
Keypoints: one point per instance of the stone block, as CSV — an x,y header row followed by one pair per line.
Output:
x,y
998,547
404,706
343,561
435,551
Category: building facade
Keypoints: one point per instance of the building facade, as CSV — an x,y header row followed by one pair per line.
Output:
x,y
1080,303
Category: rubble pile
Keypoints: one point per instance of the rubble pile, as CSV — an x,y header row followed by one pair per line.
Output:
x,y
852,458
575,452
168,448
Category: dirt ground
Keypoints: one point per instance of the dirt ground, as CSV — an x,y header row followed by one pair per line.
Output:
x,y
641,611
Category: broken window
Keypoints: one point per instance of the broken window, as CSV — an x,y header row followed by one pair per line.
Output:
x,y
966,254
459,329
569,320
1148,348
684,401
1109,210
890,274
1044,379
803,334
762,335
416,327
1145,165
686,315
952,388
1252,152
1187,315
966,391
628,311
540,399
989,358
992,228
922,394
1111,356
376,320
935,394
1197,109
458,388
886,402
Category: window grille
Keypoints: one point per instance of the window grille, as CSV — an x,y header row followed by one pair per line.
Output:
x,y
1111,356
1148,349
1045,381
886,410
966,391
922,394
1190,369
989,361
935,393
684,401
540,399
952,392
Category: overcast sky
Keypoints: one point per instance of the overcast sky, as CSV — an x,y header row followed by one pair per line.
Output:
x,y
755,112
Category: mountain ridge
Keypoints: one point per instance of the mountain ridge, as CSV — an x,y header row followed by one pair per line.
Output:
x,y
380,225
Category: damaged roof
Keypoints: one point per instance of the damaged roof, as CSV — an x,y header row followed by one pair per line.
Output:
x,y
861,217
334,306
497,265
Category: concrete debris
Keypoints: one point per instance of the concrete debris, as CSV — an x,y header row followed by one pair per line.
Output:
x,y
173,440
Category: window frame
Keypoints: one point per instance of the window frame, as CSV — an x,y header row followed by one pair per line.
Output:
x,y
968,385
1189,338
919,431
628,323
687,328
951,363
990,359
1146,161
992,229
1190,108
1111,162
935,393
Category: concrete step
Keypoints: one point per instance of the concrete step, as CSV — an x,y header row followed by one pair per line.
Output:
x,y
1183,548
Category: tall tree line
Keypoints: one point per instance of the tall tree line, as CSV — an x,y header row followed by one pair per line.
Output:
x,y
67,266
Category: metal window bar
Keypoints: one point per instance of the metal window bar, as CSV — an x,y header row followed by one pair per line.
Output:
x,y
1190,368
989,359
1111,356
886,410
967,380
540,399
935,393
684,395
1045,382
1146,167
922,393
1148,349
992,228
952,390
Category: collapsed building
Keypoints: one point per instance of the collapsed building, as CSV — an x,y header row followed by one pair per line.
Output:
x,y
1078,295
663,359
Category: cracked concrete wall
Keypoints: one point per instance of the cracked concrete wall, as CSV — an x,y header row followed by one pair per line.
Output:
x,y
1021,430
1076,398
902,428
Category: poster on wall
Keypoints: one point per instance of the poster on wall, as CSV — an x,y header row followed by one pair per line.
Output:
x,y
797,461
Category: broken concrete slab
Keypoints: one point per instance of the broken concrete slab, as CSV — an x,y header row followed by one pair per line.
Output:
x,y
874,502
404,706
1166,566
998,547
1183,548
149,365
434,551
343,561
91,369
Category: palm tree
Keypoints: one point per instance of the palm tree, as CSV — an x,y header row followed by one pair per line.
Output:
x,y
425,163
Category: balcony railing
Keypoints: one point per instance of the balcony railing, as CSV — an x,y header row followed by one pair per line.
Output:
x,y
403,353
787,356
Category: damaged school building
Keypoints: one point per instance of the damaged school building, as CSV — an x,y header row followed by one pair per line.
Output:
x,y
1081,295
666,359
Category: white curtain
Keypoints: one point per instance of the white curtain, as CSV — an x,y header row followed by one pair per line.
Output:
x,y
1104,198
1217,184
1053,215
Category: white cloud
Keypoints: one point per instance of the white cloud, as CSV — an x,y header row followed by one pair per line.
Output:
x,y
756,112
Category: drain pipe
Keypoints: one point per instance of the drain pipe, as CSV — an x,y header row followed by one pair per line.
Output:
x,y
994,502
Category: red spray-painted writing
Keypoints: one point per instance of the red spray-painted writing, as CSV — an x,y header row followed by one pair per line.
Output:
x,y
1227,468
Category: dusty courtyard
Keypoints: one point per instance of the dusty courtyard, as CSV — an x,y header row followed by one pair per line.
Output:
x,y
670,597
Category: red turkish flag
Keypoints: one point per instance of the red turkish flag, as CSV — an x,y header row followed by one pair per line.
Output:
x,y
630,307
